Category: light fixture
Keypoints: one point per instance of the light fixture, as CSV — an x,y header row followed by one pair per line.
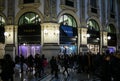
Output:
x,y
46,31
6,34
88,35
98,38
109,37
56,32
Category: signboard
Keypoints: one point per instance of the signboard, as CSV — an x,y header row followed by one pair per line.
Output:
x,y
30,29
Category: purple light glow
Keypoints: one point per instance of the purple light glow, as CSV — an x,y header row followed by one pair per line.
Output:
x,y
26,50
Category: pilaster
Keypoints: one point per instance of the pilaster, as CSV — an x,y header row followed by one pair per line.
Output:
x,y
9,34
104,41
50,33
83,40
50,39
2,51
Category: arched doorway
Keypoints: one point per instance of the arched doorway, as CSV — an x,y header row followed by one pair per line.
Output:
x,y
112,38
29,34
68,34
2,30
93,36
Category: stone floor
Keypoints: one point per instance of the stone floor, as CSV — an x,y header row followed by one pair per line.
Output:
x,y
73,76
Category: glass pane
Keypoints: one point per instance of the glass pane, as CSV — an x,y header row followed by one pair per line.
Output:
x,y
2,21
111,29
67,20
93,25
29,18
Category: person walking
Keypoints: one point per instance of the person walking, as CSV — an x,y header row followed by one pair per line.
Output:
x,y
54,67
7,67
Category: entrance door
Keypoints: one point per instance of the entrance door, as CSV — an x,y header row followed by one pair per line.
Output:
x,y
29,49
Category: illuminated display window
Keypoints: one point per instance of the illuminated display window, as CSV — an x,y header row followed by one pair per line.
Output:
x,y
68,29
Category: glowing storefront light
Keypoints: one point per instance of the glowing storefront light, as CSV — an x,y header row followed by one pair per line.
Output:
x,y
109,37
88,35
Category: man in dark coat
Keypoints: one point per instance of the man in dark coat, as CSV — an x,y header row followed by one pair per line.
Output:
x,y
54,67
7,67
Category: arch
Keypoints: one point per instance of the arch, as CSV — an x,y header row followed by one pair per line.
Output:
x,y
112,33
21,12
93,34
29,18
92,24
95,19
67,19
70,13
4,17
111,28
112,23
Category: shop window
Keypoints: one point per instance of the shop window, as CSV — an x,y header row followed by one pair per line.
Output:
x,y
93,31
112,34
68,29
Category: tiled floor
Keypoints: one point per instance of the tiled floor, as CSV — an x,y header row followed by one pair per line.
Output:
x,y
72,77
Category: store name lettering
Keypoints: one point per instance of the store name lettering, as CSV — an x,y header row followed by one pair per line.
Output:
x,y
29,30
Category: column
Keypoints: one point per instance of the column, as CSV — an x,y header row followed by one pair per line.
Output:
x,y
50,39
50,33
2,51
104,41
9,34
83,40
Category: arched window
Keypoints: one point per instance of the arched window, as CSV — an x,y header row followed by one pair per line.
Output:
x,y
112,41
29,18
68,29
29,26
93,25
67,20
111,29
93,36
2,21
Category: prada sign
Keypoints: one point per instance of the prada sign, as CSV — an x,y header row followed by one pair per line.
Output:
x,y
30,29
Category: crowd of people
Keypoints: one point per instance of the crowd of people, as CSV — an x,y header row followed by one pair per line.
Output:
x,y
105,66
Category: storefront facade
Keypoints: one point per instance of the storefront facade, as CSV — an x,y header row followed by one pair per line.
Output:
x,y
53,27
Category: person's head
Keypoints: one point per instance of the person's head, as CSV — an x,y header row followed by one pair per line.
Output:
x,y
7,57
53,57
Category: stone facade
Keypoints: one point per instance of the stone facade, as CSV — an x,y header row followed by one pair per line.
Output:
x,y
50,12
